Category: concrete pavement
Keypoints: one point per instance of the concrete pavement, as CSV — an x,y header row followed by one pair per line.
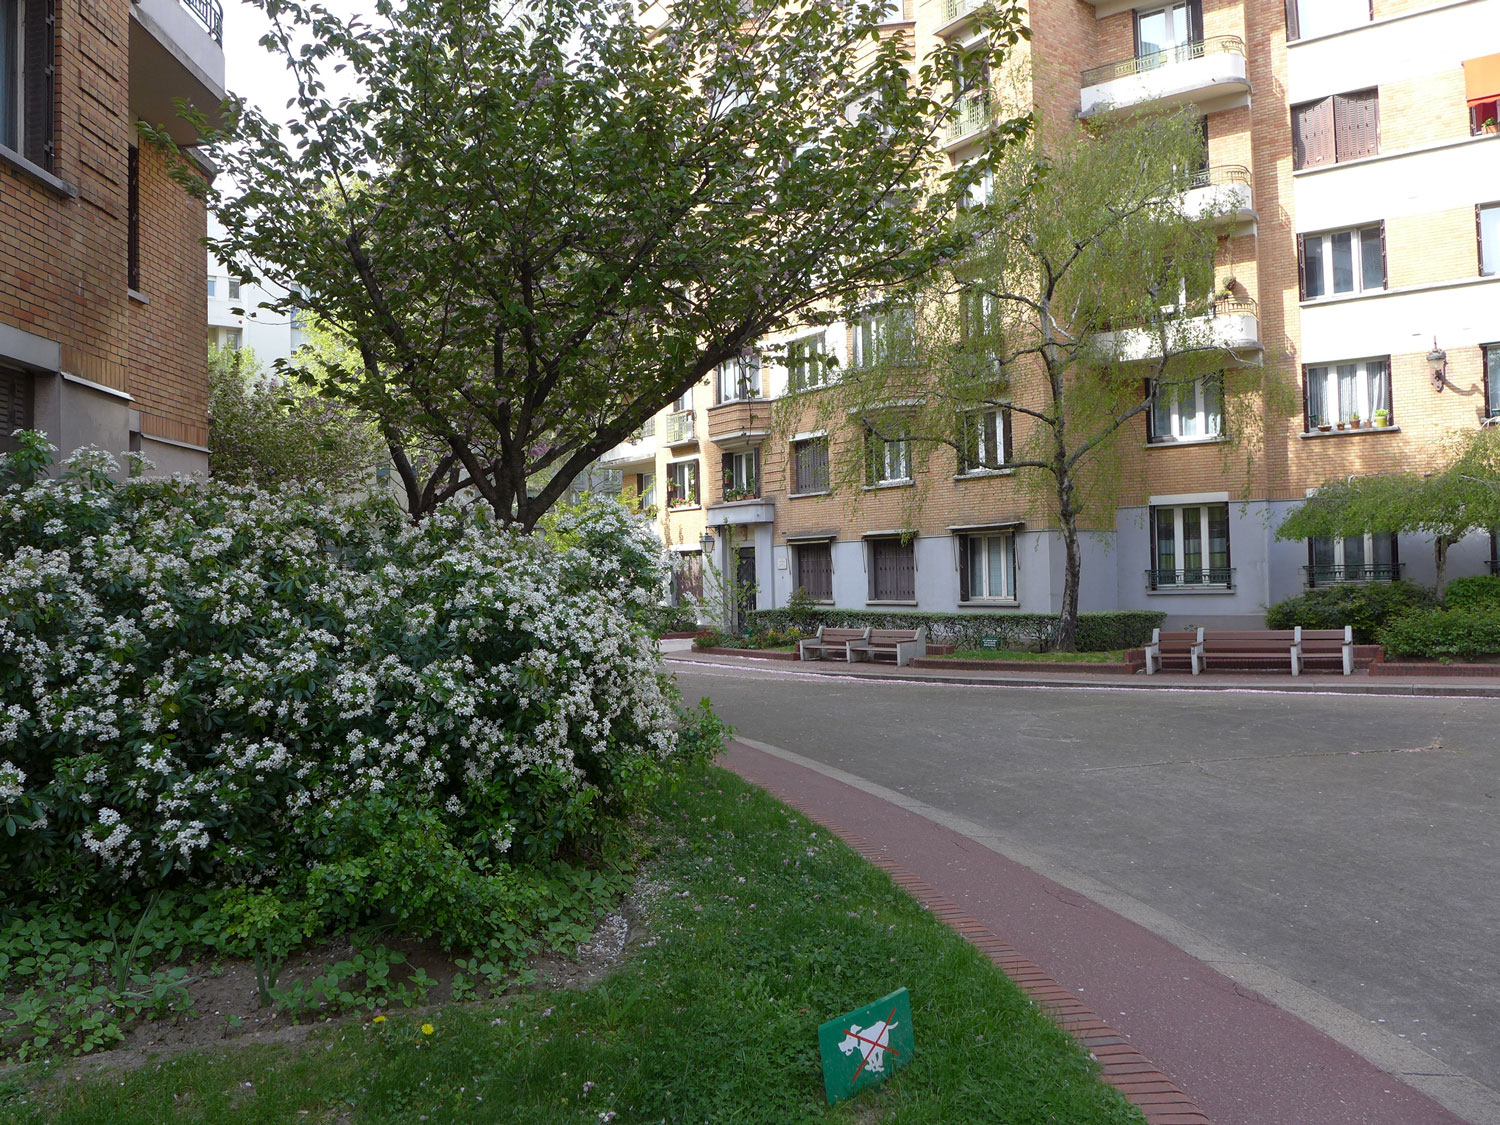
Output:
x,y
1336,853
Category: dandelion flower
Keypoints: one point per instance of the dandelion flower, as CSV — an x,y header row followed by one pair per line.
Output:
x,y
427,1029
378,1019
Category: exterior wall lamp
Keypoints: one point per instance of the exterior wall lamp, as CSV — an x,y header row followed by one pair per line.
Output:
x,y
1437,359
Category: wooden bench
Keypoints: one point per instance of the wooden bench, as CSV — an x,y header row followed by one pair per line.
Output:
x,y
1177,648
831,642
899,644
1295,648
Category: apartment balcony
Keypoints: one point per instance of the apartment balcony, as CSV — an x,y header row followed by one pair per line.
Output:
x,y
1223,190
1342,575
737,513
958,17
739,425
970,121
678,429
1194,578
1210,74
1231,325
176,51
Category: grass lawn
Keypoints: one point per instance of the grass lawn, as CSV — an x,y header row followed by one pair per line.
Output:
x,y
759,927
1109,656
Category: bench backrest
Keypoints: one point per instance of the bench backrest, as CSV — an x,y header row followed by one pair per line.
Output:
x,y
1248,640
898,636
1326,640
1178,642
841,636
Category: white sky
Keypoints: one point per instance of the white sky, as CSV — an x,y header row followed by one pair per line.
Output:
x,y
252,72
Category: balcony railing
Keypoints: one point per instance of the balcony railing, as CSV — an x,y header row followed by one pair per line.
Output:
x,y
679,427
210,14
1196,578
952,9
733,492
1218,307
1220,174
970,115
1329,575
648,427
1141,64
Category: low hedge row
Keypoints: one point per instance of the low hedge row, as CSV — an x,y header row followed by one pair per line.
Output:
x,y
1368,608
1097,632
1481,591
1445,634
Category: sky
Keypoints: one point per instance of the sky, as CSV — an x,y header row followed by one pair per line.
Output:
x,y
253,73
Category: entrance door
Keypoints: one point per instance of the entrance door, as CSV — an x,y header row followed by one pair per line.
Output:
x,y
744,588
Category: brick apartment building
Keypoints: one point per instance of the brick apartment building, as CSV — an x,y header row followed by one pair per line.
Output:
x,y
1357,141
102,278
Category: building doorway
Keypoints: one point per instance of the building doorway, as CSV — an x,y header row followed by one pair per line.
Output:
x,y
744,588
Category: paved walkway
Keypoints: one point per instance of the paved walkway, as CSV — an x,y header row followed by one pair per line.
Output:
x,y
1182,1040
1361,683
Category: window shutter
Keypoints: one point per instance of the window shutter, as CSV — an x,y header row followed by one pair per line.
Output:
x,y
1478,237
1135,30
1195,21
728,472
1306,413
1356,124
1385,273
15,405
133,217
1313,134
1312,563
1293,25
1150,411
1301,267
1395,556
963,568
1006,440
40,54
872,561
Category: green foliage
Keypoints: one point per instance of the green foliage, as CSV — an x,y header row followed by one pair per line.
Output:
x,y
711,638
1480,591
512,248
270,433
662,619
1113,629
1445,634
1367,607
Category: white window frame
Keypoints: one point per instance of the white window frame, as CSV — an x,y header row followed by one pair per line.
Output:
x,y
234,289
732,385
683,402
796,483
873,331
1357,252
973,422
894,458
1177,11
1489,248
742,470
1179,545
1008,575
1206,426
1364,403
213,286
647,498
813,371
694,475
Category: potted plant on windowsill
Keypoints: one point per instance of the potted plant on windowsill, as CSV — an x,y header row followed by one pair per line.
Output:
x,y
1488,126
1325,427
1354,421
1382,419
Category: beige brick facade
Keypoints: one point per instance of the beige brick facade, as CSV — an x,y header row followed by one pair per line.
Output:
x,y
106,364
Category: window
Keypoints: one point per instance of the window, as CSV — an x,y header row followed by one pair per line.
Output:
x,y
1336,128
1487,223
17,407
687,577
893,571
213,288
1187,411
809,466
1160,30
978,318
737,379
814,573
1482,92
26,79
1340,392
987,567
682,484
645,492
982,189
132,217
682,402
1358,558
889,459
742,476
1190,546
985,441
233,339
1343,261
234,289
804,363
1308,18
882,337
1491,353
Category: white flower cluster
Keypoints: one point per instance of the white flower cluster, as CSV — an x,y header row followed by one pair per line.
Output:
x,y
184,665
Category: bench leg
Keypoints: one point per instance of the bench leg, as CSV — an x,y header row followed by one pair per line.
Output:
x,y
1296,662
1152,659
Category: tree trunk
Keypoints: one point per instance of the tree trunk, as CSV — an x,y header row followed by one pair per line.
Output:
x,y
1067,518
1440,558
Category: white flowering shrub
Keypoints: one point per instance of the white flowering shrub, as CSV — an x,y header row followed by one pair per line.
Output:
x,y
212,686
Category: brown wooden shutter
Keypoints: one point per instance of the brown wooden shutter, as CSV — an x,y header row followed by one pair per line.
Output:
x,y
1306,413
133,217
39,52
1195,21
1007,441
1313,134
1293,24
963,568
1356,124
1385,272
1312,566
1301,267
16,405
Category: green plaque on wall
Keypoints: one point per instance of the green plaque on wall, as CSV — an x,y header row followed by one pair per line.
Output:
x,y
866,1046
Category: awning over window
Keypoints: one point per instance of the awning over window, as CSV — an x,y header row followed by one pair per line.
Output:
x,y
1482,79
811,536
993,525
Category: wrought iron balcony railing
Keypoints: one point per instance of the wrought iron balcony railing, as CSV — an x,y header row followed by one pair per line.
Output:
x,y
210,14
679,427
1329,575
1194,578
1220,174
1219,306
1155,60
970,115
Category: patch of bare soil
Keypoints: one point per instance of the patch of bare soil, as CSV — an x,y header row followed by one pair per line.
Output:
x,y
226,998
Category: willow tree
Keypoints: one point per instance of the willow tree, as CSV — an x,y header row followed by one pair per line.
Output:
x,y
1460,497
1083,296
541,221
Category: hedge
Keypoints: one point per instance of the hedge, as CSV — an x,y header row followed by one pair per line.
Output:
x,y
1482,591
1462,634
1367,608
1097,632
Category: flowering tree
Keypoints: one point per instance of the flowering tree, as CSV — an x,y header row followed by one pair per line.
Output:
x,y
540,222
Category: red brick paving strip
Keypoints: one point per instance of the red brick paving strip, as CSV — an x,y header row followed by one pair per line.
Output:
x,y
1120,1064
